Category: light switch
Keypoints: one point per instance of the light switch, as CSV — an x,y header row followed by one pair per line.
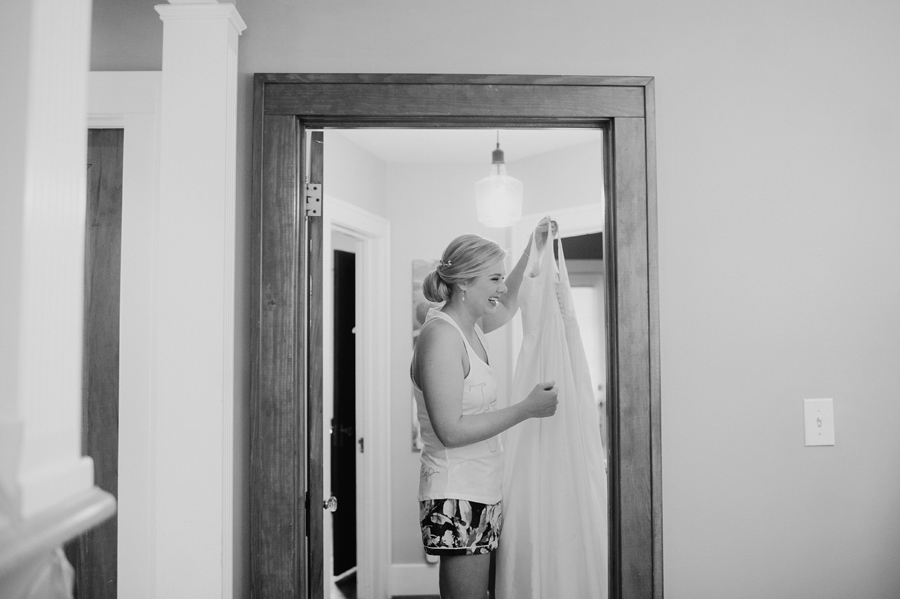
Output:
x,y
818,419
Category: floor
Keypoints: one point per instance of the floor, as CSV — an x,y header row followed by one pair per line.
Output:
x,y
346,589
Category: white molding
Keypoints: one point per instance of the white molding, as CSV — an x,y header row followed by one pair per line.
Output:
x,y
177,11
106,121
229,460
414,579
130,100
373,416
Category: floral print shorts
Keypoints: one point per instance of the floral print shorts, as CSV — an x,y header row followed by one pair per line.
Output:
x,y
459,527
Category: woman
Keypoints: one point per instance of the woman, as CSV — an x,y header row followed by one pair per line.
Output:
x,y
456,395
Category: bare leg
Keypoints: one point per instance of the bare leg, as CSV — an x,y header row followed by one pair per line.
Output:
x,y
465,576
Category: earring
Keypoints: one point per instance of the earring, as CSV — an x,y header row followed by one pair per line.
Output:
x,y
464,294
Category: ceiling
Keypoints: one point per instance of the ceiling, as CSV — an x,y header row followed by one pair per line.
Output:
x,y
471,146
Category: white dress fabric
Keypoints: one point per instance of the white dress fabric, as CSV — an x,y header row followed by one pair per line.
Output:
x,y
555,523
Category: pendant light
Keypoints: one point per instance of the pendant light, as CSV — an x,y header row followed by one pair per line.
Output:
x,y
498,197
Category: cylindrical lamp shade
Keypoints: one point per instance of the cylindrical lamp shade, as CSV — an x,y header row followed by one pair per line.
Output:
x,y
498,198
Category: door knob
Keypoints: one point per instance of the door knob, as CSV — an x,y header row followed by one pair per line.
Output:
x,y
330,504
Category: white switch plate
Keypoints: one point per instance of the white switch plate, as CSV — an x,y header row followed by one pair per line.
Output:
x,y
818,420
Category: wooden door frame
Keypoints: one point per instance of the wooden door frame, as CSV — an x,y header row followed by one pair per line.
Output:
x,y
285,105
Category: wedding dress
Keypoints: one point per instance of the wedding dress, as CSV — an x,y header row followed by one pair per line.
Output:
x,y
554,541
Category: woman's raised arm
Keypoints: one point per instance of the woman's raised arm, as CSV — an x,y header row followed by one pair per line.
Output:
x,y
509,301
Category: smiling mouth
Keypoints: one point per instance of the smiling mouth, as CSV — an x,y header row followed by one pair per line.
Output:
x,y
494,301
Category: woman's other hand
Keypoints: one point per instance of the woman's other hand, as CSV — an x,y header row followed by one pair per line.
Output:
x,y
544,228
542,401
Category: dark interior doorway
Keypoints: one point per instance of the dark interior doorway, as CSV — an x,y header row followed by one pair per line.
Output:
x,y
343,424
582,247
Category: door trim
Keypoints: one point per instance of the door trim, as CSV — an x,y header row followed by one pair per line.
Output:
x,y
285,104
130,101
373,413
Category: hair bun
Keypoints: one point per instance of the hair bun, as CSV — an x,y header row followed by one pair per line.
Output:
x,y
435,288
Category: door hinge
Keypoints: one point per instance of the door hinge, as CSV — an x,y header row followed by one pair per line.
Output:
x,y
362,445
313,203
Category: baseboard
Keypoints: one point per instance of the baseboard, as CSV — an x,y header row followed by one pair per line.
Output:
x,y
414,579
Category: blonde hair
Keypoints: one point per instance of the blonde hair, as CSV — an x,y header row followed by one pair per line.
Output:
x,y
467,257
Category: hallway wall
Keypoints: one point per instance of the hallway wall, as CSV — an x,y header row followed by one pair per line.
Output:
x,y
778,136
365,183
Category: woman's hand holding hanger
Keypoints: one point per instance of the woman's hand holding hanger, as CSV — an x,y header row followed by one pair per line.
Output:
x,y
545,227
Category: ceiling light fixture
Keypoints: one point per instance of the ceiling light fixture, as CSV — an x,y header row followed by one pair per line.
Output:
x,y
498,197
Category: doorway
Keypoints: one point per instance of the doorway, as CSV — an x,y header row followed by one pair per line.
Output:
x,y
350,231
342,441
431,174
286,326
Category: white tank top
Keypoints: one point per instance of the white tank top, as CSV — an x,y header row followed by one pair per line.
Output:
x,y
472,472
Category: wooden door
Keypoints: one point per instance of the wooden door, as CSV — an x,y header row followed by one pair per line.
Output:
x,y
94,554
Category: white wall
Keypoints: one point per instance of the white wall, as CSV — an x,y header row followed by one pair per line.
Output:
x,y
778,136
562,179
354,175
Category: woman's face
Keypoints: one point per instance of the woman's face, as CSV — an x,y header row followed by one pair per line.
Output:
x,y
484,291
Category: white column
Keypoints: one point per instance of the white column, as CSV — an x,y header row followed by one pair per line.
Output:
x,y
42,194
46,486
194,302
